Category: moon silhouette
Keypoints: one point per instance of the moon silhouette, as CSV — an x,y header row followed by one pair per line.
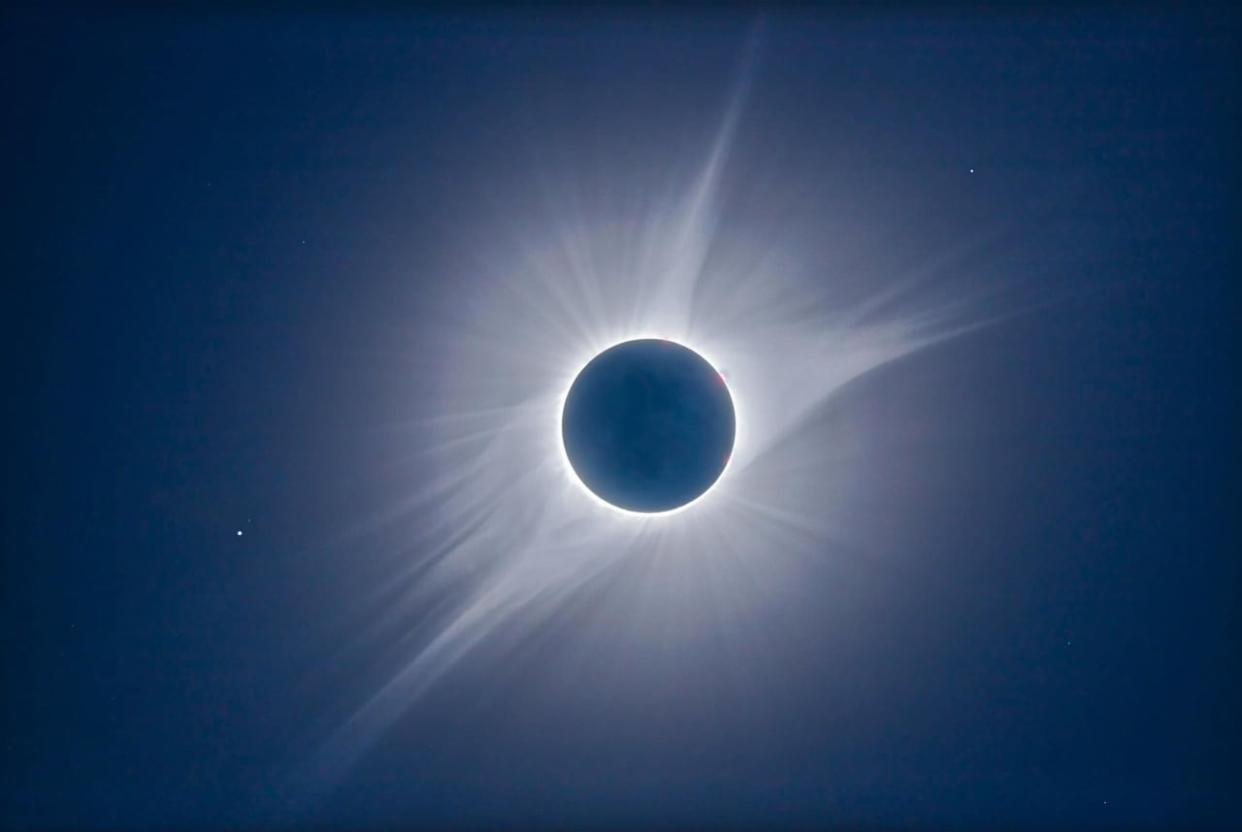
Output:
x,y
648,426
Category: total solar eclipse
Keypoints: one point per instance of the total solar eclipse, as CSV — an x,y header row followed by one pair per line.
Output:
x,y
648,425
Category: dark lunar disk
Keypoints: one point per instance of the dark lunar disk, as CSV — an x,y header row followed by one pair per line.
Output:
x,y
648,425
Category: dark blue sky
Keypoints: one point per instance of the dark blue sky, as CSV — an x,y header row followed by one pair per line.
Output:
x,y
216,222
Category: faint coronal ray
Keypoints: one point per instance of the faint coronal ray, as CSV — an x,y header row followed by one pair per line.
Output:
x,y
505,531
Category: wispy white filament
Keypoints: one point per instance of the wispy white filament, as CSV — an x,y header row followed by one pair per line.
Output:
x,y
514,535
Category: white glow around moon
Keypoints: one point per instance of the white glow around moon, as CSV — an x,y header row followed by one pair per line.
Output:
x,y
506,531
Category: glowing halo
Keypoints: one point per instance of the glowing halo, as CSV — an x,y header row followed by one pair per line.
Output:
x,y
493,538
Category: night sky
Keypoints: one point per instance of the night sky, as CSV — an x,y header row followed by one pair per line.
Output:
x,y
238,261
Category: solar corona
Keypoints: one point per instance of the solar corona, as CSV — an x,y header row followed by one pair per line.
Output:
x,y
630,393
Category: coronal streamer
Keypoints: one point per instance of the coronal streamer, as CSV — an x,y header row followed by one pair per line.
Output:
x,y
509,537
